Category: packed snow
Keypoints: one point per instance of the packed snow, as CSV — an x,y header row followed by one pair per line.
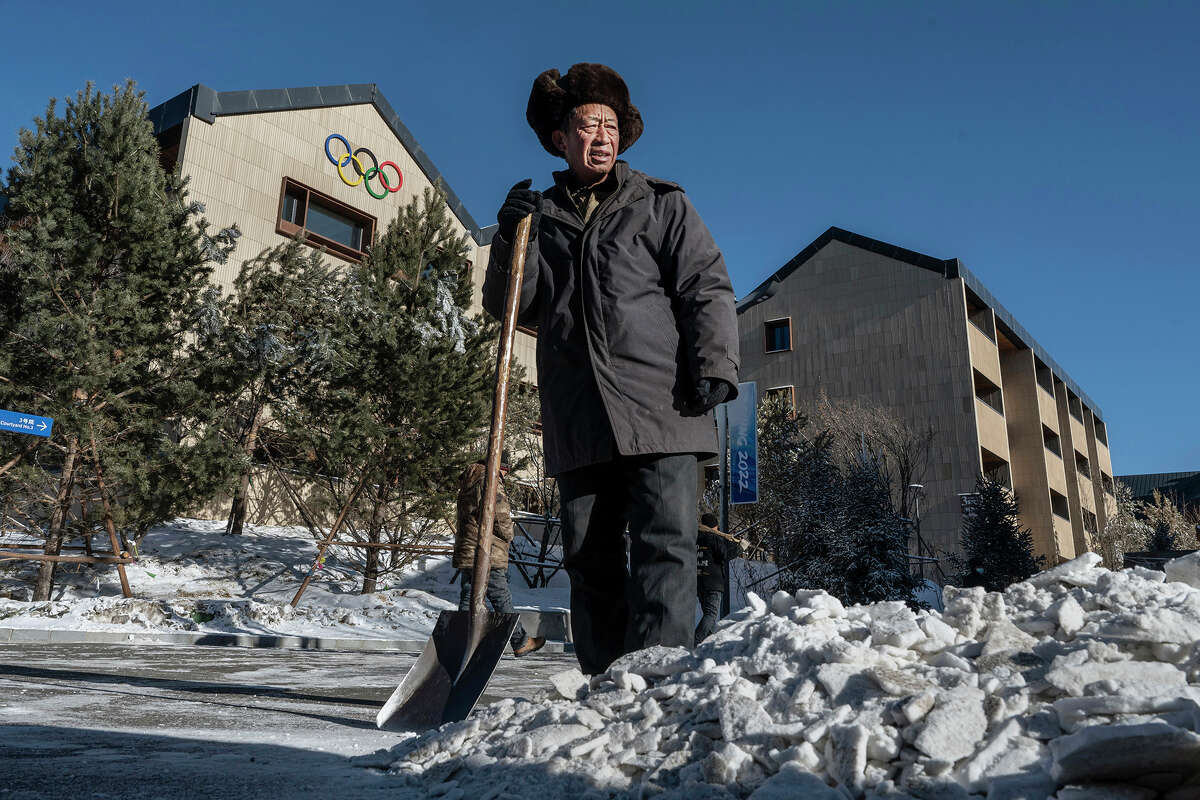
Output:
x,y
191,577
1077,683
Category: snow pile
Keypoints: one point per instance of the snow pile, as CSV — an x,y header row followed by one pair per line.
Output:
x,y
190,577
1078,683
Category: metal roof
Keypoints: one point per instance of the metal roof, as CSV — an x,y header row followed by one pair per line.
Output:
x,y
1186,485
207,104
946,267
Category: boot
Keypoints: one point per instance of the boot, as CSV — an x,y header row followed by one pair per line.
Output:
x,y
530,645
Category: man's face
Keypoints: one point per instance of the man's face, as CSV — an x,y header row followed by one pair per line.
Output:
x,y
590,142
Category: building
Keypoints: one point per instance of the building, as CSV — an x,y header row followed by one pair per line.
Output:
x,y
858,318
334,162
1182,488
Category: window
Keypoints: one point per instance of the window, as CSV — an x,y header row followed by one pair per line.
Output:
x,y
784,394
1101,432
1107,481
1045,377
1082,466
778,335
988,392
995,468
980,315
1074,406
1058,504
342,229
1089,522
1052,442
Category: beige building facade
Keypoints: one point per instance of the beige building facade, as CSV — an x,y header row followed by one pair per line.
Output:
x,y
333,162
859,319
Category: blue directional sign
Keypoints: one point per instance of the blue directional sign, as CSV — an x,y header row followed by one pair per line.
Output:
x,y
743,444
18,422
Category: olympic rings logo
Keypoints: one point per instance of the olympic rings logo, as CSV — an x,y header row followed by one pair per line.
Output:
x,y
376,170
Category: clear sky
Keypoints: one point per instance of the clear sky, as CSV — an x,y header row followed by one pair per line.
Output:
x,y
1052,146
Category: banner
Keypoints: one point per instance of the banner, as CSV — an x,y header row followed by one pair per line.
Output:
x,y
743,444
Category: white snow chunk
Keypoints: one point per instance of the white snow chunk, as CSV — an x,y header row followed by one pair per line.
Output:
x,y
954,725
894,623
1003,637
1081,571
1067,615
742,716
571,684
848,754
1185,569
792,782
1125,752
658,661
1141,677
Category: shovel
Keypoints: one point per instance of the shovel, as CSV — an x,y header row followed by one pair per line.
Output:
x,y
461,655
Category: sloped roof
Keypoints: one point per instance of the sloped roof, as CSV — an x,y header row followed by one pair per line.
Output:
x,y
946,267
207,104
1184,485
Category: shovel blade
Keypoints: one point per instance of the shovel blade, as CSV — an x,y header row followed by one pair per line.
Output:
x,y
434,692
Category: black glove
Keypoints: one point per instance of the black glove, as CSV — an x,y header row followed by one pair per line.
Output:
x,y
710,393
520,202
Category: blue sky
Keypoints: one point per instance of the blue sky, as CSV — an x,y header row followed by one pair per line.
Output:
x,y
1054,147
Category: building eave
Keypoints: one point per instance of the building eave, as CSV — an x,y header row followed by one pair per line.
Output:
x,y
207,104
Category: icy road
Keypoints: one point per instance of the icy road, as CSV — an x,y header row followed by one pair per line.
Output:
x,y
138,722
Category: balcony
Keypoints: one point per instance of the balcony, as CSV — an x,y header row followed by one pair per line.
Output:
x,y
1064,537
1047,408
984,356
993,433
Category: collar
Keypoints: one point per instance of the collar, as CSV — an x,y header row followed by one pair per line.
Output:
x,y
630,187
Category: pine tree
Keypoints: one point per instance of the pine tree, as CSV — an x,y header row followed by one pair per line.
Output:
x,y
874,556
101,293
397,418
828,527
996,550
273,338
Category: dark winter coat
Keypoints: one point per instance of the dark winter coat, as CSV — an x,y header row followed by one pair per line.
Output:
x,y
470,507
713,554
630,310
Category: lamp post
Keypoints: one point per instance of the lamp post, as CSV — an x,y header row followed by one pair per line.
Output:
x,y
917,490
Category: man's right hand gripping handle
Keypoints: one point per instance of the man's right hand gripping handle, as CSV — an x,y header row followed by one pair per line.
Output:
x,y
521,201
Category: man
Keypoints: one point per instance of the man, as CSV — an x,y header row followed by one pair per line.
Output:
x,y
636,343
466,541
714,551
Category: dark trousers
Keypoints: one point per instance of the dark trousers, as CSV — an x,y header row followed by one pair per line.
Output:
x,y
710,611
615,610
498,597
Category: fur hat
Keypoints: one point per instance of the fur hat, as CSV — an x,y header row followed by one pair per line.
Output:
x,y
554,96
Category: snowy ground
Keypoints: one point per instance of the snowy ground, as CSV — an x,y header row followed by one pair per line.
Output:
x,y
190,577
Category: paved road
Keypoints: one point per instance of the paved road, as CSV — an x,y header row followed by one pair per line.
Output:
x,y
142,721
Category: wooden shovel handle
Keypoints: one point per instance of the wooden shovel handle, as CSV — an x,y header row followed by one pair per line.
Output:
x,y
512,302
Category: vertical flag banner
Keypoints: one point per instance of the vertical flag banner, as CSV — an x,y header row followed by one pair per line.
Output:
x,y
743,444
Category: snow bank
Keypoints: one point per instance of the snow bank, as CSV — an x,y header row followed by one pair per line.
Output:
x,y
190,577
1078,683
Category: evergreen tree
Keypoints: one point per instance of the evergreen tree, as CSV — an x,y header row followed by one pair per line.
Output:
x,y
276,336
100,291
996,550
829,528
396,420
874,555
